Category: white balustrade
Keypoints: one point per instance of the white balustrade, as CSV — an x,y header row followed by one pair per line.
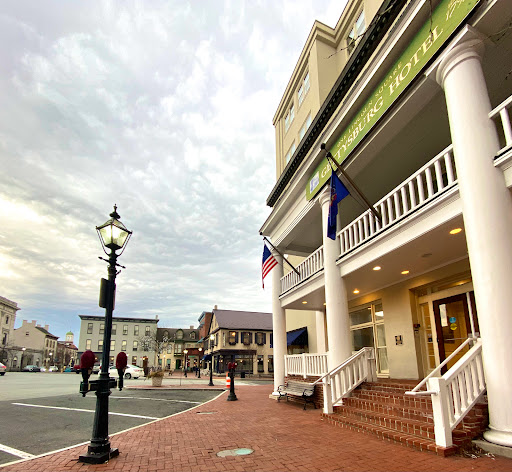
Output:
x,y
308,267
502,111
342,380
306,364
456,392
420,188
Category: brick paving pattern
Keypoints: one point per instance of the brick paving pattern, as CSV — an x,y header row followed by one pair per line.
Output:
x,y
282,435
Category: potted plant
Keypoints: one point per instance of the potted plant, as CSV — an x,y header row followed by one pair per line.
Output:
x,y
156,377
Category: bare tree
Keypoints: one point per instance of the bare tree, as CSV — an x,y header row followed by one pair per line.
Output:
x,y
154,342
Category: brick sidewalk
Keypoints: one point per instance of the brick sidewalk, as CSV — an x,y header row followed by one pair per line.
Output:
x,y
283,437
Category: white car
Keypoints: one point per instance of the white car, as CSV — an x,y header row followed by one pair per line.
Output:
x,y
132,371
53,368
3,368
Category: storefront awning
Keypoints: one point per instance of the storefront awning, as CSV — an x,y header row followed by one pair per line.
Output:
x,y
297,337
207,357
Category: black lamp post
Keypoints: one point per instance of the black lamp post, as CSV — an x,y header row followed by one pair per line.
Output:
x,y
199,362
212,337
114,236
185,367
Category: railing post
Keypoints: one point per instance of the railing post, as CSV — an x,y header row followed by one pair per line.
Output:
x,y
371,368
286,366
327,396
304,365
442,428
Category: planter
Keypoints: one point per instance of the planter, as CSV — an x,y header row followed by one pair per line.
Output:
x,y
156,381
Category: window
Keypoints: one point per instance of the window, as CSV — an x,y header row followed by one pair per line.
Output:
x,y
148,331
114,329
304,87
89,328
136,330
247,338
178,349
4,339
260,364
271,363
169,349
290,152
100,345
123,345
288,119
135,345
102,328
193,335
113,345
233,337
217,339
305,127
179,334
88,344
367,328
6,319
355,33
125,330
261,339
134,360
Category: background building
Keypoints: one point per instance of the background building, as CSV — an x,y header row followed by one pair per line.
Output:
x,y
127,334
8,311
40,345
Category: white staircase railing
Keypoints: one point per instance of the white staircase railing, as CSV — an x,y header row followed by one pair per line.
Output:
x,y
311,265
341,381
424,185
305,364
502,111
456,392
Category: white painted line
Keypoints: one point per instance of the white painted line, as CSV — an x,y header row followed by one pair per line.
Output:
x,y
16,452
156,399
87,411
113,434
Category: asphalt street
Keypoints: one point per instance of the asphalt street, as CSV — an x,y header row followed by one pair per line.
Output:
x,y
41,419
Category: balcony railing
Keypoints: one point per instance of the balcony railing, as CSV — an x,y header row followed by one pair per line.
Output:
x,y
305,364
427,183
308,267
502,111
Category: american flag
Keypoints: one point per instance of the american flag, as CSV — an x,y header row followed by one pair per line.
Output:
x,y
269,262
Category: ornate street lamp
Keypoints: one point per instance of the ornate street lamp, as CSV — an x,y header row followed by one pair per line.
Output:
x,y
212,337
199,363
185,367
114,236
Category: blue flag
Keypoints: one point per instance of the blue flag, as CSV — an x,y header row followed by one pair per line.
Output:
x,y
338,193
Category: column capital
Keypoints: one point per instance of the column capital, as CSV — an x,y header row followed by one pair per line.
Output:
x,y
467,45
325,196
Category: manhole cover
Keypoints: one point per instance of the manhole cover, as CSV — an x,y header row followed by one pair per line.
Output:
x,y
235,452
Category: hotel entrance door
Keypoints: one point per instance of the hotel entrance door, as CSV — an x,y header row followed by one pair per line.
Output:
x,y
453,325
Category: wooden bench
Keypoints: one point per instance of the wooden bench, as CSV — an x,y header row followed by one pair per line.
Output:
x,y
297,389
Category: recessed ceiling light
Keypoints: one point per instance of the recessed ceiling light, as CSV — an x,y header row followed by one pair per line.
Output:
x,y
304,302
355,291
325,303
456,231
404,272
427,254
376,268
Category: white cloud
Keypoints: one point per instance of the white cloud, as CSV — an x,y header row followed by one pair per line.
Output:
x,y
164,108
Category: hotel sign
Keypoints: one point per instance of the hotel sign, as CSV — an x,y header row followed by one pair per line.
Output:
x,y
445,19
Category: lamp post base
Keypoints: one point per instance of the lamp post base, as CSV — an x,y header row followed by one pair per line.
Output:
x,y
99,457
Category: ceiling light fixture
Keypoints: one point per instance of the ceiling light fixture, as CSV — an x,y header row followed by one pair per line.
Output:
x,y
304,302
377,268
404,272
456,231
356,291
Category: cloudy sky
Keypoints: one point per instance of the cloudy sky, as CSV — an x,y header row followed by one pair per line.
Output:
x,y
164,108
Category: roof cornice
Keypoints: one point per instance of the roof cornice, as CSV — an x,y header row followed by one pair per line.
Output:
x,y
379,26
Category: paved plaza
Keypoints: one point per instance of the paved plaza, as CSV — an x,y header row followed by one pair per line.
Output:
x,y
282,437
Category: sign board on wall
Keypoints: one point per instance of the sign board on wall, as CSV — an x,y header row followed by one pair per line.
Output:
x,y
445,19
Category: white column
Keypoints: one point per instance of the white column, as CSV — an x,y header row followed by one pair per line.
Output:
x,y
337,318
320,332
487,211
278,323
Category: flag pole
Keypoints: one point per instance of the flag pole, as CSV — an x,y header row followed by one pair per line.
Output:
x,y
284,258
351,183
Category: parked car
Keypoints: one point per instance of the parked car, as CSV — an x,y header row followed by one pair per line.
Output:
x,y
53,368
96,368
31,368
3,369
132,371
42,369
75,368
